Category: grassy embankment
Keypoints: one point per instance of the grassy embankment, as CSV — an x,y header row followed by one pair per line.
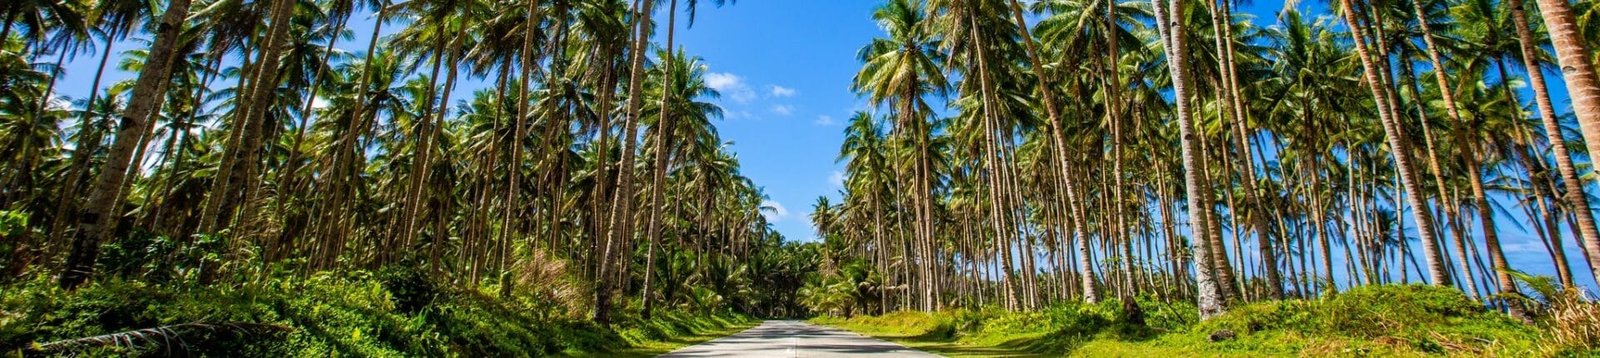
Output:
x,y
1368,321
356,314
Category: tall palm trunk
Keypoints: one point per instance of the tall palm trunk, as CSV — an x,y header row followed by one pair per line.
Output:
x,y
1171,30
1456,233
242,158
1399,148
89,139
1582,83
103,210
1447,95
290,182
334,220
1090,293
1223,20
622,198
663,141
1577,201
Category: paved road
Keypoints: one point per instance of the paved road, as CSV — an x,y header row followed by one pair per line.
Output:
x,y
796,339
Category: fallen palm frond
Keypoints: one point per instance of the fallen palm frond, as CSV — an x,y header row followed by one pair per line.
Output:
x,y
158,336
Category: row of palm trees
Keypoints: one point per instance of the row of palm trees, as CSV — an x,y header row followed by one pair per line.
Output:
x,y
1077,149
581,144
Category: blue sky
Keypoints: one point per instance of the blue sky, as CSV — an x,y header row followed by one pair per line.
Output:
x,y
784,68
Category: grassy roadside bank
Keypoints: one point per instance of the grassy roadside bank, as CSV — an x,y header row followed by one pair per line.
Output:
x,y
352,314
1368,321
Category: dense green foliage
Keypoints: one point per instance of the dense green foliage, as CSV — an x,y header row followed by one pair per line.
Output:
x,y
1028,153
1388,320
390,313
473,178
265,185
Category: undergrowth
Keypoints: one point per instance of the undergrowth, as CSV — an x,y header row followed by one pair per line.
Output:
x,y
392,313
1394,320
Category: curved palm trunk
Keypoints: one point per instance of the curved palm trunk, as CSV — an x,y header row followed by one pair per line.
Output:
x,y
1222,23
103,209
289,182
1399,148
80,157
1577,202
334,220
1229,287
1581,81
1448,96
242,157
1090,293
423,146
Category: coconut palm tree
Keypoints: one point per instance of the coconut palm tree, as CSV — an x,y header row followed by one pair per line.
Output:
x,y
103,206
898,72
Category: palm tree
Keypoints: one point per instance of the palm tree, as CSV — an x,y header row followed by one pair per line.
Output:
x,y
899,72
1399,146
681,116
1582,83
102,209
1577,201
867,177
1176,46
621,200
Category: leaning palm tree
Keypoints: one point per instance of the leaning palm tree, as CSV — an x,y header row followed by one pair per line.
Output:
x,y
102,210
618,217
1585,91
1582,83
1399,144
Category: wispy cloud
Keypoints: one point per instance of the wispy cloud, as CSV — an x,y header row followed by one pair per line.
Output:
x,y
737,114
784,92
775,211
824,120
731,85
836,179
783,109
1524,246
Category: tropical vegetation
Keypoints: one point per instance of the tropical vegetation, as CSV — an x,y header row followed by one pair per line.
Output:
x,y
542,161
535,177
1032,154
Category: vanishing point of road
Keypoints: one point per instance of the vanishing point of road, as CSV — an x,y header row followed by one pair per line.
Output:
x,y
796,339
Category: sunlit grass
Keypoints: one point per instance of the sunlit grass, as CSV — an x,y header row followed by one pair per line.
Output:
x,y
1384,321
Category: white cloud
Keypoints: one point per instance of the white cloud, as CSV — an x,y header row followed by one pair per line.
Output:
x,y
836,179
824,120
781,91
737,114
774,211
783,109
730,85
1524,246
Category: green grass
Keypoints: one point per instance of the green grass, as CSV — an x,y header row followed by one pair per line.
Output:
x,y
350,314
1387,321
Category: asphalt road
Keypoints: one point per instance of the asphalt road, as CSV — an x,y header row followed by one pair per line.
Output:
x,y
796,339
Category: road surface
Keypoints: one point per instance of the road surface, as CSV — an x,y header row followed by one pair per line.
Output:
x,y
796,339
